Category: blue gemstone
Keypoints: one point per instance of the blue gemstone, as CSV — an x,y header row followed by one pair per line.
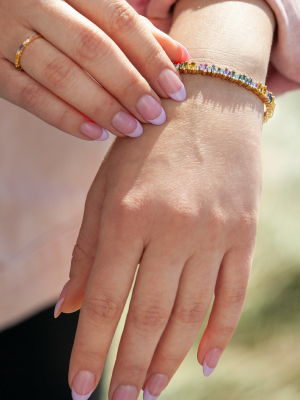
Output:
x,y
21,47
213,68
237,76
250,82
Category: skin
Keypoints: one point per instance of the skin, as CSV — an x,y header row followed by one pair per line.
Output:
x,y
183,202
89,35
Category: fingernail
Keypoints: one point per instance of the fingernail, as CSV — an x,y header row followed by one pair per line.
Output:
x,y
61,300
185,54
127,124
155,385
151,110
172,85
83,385
210,361
125,392
94,131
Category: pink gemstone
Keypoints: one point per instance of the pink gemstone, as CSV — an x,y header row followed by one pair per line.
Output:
x,y
32,37
256,85
205,67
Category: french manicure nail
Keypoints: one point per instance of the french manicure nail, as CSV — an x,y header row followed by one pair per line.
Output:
x,y
127,124
83,385
61,300
94,131
155,385
125,392
210,361
151,110
185,54
172,85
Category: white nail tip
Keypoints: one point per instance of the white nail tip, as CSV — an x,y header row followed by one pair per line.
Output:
x,y
147,395
104,136
159,120
180,95
76,396
138,131
58,307
206,370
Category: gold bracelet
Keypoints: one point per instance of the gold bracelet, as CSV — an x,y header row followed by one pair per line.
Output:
x,y
242,80
21,49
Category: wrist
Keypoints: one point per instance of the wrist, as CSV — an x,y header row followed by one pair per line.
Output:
x,y
237,35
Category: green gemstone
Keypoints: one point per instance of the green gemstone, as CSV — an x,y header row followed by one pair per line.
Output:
x,y
233,74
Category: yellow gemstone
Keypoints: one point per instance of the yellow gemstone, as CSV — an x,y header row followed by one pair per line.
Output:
x,y
193,66
259,86
186,65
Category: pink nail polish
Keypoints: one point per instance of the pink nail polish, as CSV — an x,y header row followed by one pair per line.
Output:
x,y
127,124
61,300
83,385
210,361
94,131
125,392
185,54
151,110
155,385
172,85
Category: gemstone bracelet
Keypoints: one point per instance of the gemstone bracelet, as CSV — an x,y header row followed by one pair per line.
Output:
x,y
242,80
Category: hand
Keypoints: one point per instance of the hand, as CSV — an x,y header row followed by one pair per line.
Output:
x,y
183,202
157,11
107,39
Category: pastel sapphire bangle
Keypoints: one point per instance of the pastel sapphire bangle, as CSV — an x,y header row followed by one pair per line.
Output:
x,y
232,76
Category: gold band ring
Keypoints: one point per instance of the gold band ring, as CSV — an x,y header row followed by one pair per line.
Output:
x,y
21,49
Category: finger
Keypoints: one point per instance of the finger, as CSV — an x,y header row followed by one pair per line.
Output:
x,y
54,70
159,8
128,30
107,290
159,12
150,307
169,45
193,298
97,54
85,249
229,300
23,91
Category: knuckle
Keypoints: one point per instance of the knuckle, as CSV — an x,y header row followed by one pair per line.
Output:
x,y
248,221
58,72
32,95
134,369
130,206
149,318
130,84
122,18
237,298
102,308
85,352
153,57
224,330
190,314
89,44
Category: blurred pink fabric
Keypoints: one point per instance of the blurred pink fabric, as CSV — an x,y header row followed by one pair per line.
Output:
x,y
44,179
284,68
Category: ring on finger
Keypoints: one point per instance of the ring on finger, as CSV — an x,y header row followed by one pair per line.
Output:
x,y
21,49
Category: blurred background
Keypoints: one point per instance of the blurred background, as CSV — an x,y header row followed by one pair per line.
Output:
x,y
262,362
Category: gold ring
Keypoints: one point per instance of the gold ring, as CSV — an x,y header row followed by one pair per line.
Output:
x,y
21,49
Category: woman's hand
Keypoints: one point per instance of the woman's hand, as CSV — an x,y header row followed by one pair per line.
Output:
x,y
107,39
183,202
